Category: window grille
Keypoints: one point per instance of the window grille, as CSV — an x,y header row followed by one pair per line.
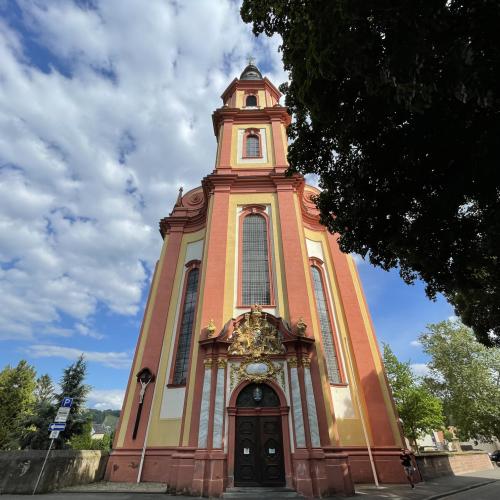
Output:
x,y
251,100
255,273
186,329
326,328
252,146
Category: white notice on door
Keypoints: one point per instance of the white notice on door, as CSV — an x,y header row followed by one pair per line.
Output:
x,y
246,451
272,451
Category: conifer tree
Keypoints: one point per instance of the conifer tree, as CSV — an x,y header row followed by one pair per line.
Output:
x,y
73,386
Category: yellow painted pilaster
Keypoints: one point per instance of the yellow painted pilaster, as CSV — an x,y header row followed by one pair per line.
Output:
x,y
127,404
166,432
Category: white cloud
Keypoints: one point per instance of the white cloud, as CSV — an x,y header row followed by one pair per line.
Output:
x,y
415,343
110,359
91,158
420,369
88,332
106,399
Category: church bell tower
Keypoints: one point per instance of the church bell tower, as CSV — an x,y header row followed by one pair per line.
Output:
x,y
257,362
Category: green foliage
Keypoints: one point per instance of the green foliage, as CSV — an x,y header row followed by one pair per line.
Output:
x,y
84,440
35,434
396,107
108,418
465,375
16,402
72,385
419,410
44,391
448,435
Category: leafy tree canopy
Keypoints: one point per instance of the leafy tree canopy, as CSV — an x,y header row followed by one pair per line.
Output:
x,y
36,424
397,109
420,411
17,386
465,375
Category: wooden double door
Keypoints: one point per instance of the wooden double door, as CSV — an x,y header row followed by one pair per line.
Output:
x,y
259,457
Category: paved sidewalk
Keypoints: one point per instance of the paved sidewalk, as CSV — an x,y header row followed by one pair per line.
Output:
x,y
442,487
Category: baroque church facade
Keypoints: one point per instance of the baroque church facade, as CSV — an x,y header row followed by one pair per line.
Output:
x,y
257,362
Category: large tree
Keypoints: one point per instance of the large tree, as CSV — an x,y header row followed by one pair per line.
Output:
x,y
17,386
420,411
35,433
465,375
73,386
396,107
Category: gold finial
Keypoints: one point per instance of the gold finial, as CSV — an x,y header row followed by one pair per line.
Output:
x,y
301,327
211,328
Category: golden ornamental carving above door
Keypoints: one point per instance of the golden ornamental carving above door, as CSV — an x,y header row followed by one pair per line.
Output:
x,y
256,337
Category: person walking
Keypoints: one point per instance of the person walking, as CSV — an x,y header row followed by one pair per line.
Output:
x,y
405,458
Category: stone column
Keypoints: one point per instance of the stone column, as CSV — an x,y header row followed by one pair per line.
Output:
x,y
298,417
205,404
219,404
311,404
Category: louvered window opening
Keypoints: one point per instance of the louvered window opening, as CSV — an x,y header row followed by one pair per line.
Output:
x,y
252,147
251,100
186,329
326,328
255,273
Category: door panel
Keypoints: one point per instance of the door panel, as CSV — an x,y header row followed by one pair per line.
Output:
x,y
272,469
246,469
259,452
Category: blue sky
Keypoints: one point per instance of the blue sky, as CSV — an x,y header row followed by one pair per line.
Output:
x,y
105,111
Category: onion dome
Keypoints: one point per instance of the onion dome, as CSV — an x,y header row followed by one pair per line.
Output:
x,y
251,72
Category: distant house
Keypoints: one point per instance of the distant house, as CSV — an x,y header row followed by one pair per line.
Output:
x,y
98,431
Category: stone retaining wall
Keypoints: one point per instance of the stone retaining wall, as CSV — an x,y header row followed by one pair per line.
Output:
x,y
19,470
433,465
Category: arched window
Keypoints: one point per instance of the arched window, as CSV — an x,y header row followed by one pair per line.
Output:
x,y
255,276
325,324
185,332
252,147
251,101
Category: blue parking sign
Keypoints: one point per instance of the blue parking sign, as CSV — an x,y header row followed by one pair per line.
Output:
x,y
67,402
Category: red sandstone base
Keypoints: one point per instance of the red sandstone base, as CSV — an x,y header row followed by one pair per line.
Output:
x,y
316,473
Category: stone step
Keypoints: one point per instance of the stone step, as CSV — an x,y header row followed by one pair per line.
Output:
x,y
259,493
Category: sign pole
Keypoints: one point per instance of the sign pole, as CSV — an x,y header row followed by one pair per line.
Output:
x,y
43,466
55,428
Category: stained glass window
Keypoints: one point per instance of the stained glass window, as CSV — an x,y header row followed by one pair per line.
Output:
x,y
186,329
326,328
252,147
255,273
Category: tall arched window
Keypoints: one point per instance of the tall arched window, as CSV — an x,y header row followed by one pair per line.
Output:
x,y
255,276
251,101
332,363
252,147
185,332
